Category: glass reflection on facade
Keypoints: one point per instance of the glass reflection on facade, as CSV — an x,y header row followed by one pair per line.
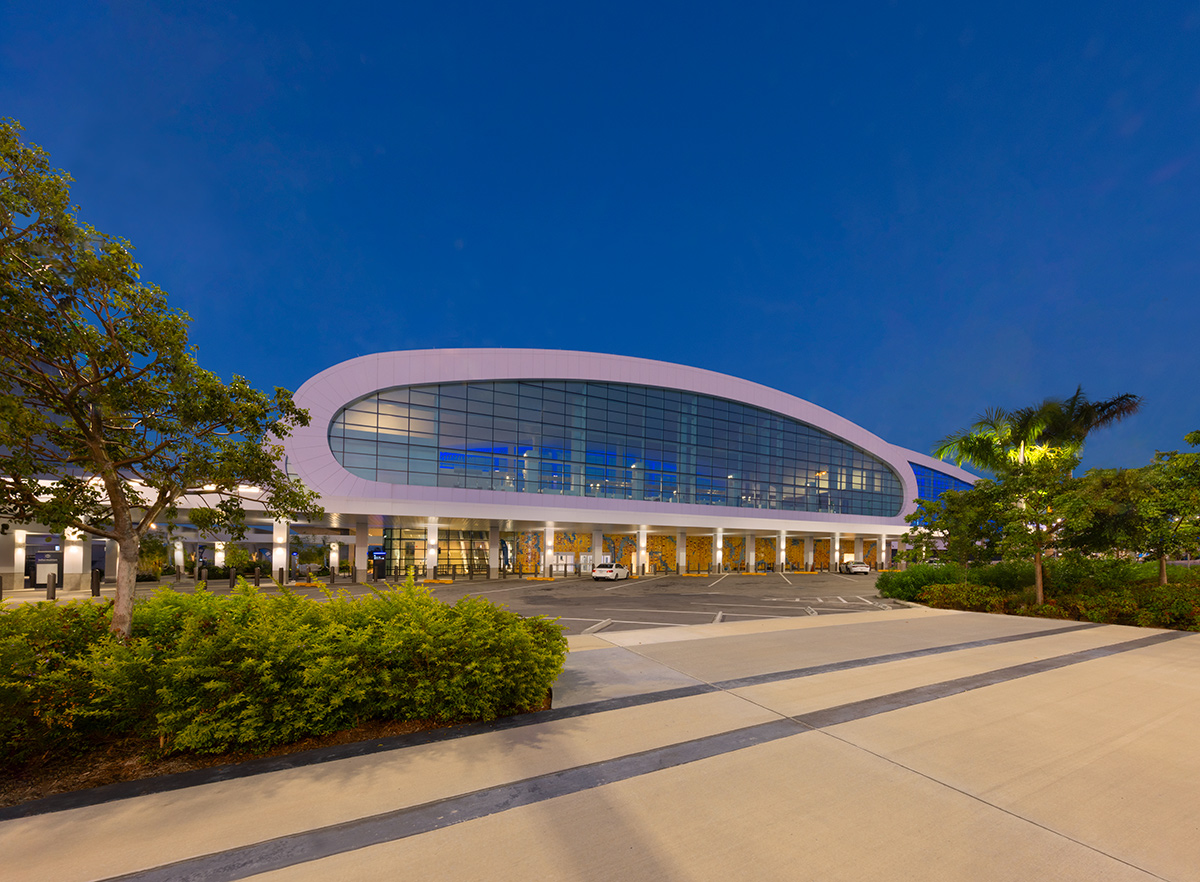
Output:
x,y
931,483
607,440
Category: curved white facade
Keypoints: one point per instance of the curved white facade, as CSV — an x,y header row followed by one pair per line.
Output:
x,y
351,499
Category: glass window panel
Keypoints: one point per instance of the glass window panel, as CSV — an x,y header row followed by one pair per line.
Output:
x,y
774,458
393,424
392,408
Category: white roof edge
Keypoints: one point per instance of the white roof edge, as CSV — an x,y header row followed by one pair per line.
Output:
x,y
326,392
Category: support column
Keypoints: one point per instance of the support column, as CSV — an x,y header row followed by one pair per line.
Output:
x,y
362,543
881,551
334,559
178,551
597,546
719,549
431,549
858,548
835,552
681,551
493,551
112,559
279,550
643,554
12,560
74,565
781,551
750,553
900,546
548,551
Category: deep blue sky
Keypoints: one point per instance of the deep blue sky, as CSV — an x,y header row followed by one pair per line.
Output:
x,y
904,212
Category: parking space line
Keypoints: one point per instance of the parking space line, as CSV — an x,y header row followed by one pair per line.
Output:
x,y
742,605
599,626
710,584
686,612
785,578
628,622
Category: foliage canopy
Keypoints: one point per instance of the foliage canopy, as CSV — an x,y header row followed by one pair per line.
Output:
x,y
106,419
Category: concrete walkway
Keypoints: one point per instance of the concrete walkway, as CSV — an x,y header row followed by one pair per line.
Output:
x,y
913,744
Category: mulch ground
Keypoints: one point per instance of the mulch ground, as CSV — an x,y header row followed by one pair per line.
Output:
x,y
131,759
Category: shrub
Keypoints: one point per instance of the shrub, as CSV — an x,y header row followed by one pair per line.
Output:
x,y
1008,575
211,673
1073,574
969,596
44,699
907,584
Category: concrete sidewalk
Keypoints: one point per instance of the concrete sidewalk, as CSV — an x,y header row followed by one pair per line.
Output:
x,y
915,744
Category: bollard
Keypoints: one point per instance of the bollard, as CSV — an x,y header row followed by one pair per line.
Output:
x,y
97,575
204,576
281,580
232,578
51,586
257,576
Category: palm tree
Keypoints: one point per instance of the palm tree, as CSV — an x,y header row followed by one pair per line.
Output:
x,y
1001,439
1003,442
1066,424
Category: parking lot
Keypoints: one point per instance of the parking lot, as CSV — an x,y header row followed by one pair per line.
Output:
x,y
584,606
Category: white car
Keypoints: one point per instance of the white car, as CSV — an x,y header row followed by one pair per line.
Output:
x,y
856,566
612,572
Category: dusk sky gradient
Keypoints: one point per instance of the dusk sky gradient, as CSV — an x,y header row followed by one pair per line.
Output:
x,y
904,212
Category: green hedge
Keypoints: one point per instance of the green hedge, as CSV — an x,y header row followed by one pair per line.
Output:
x,y
908,584
1064,576
210,673
1145,605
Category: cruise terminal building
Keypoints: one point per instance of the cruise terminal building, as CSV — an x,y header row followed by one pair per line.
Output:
x,y
482,460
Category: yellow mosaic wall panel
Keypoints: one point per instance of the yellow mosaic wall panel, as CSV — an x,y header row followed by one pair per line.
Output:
x,y
869,548
621,548
662,551
579,543
529,550
821,553
794,551
733,552
847,550
699,553
764,551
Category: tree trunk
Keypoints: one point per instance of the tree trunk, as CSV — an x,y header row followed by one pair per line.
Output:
x,y
1162,568
1037,577
122,620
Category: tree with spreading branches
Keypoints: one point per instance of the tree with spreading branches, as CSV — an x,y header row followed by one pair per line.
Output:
x,y
106,419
